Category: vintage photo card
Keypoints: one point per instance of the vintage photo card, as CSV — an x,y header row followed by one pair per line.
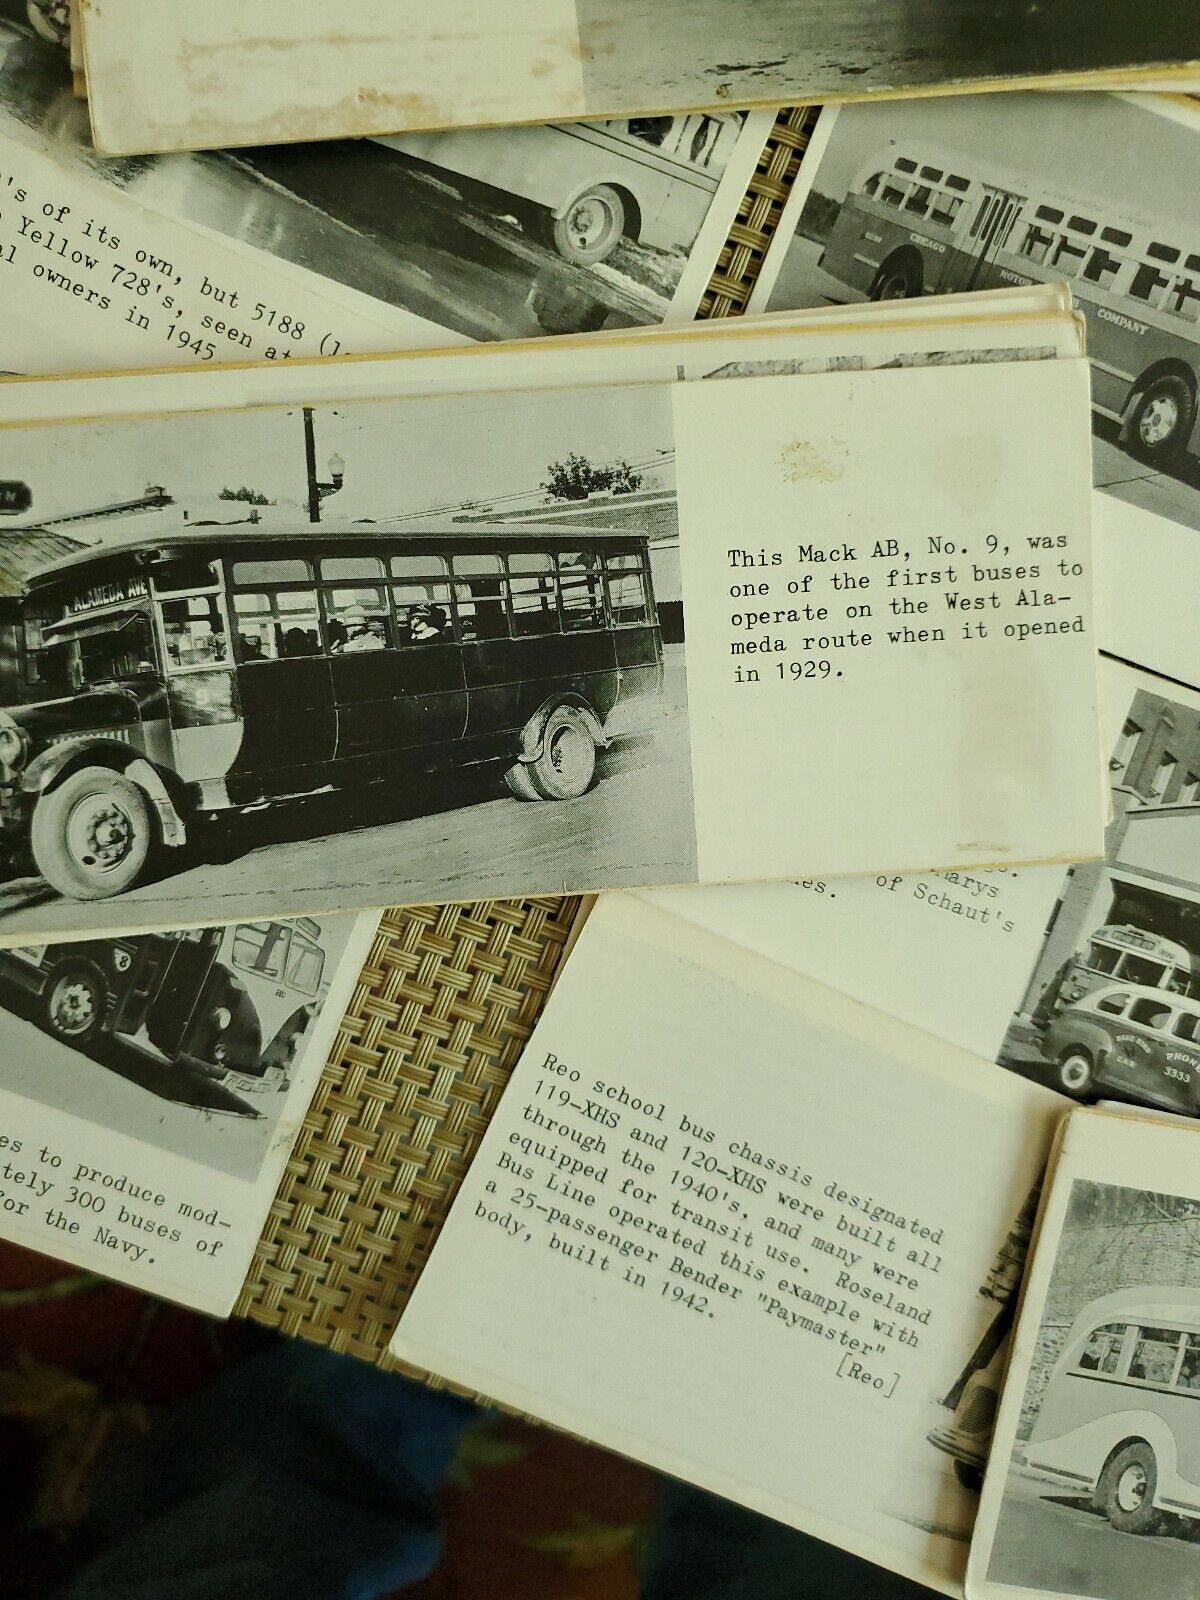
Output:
x,y
163,77
297,250
152,1085
1085,982
1093,1487
733,1225
524,657
903,200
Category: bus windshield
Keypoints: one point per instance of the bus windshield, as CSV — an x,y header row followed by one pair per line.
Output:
x,y
120,647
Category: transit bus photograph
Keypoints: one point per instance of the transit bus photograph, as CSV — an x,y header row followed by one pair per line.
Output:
x,y
217,698
946,196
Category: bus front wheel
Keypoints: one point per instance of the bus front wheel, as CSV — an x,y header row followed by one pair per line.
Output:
x,y
591,227
92,836
1127,1488
1163,418
74,1003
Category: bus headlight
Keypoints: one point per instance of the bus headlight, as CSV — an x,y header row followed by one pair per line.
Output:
x,y
13,745
222,1016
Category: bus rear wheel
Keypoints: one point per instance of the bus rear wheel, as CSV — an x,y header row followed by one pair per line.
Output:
x,y
92,836
1163,419
899,278
591,227
74,1002
1127,1488
566,764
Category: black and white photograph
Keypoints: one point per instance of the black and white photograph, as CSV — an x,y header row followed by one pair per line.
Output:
x,y
492,234
1101,1484
902,200
639,52
189,1041
1112,1006
310,659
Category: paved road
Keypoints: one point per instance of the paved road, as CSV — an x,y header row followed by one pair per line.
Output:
x,y
119,1085
1055,1543
461,841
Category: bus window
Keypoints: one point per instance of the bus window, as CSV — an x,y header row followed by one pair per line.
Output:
x,y
1101,267
1150,1013
582,601
348,569
626,598
260,947
305,964
422,613
650,130
1184,298
194,632
1189,1370
418,567
356,620
254,573
531,593
1103,1349
1142,969
185,575
1148,283
1187,1026
480,601
274,627
1036,243
919,199
1069,256
1101,958
1114,1004
1155,1353
892,193
945,208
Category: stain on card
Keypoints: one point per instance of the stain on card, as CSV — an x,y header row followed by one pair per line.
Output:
x,y
814,461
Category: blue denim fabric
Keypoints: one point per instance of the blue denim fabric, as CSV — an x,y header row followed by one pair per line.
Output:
x,y
297,1475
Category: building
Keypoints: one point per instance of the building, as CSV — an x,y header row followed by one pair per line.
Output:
x,y
1150,875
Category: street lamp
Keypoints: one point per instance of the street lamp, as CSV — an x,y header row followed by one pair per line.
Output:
x,y
318,491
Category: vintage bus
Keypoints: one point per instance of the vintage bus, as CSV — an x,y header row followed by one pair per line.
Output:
x,y
193,675
917,222
233,1002
591,184
1129,955
1119,1415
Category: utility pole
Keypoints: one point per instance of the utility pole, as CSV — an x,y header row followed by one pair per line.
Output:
x,y
310,463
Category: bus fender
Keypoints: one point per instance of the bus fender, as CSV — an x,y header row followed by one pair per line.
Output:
x,y
46,771
171,825
534,730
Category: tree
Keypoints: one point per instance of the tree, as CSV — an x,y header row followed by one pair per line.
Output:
x,y
577,477
250,496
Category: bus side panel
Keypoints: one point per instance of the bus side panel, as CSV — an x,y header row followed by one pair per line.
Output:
x,y
639,656
858,242
289,716
492,676
582,663
431,704
538,164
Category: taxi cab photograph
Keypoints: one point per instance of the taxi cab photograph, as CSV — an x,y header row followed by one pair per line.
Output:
x,y
1140,1043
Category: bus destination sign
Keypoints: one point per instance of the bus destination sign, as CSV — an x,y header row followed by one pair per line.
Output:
x,y
115,593
15,497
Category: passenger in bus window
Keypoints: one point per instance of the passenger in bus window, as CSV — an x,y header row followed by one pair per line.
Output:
x,y
363,632
426,623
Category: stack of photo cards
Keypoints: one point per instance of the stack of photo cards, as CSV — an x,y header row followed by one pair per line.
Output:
x,y
742,1228
1098,191
162,77
280,252
151,1089
1093,1486
561,632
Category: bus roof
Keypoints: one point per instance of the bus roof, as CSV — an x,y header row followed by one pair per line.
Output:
x,y
327,538
1146,1302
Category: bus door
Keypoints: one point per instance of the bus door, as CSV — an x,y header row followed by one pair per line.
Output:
x,y
968,265
170,1006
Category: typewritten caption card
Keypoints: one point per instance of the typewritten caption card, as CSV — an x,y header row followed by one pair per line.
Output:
x,y
889,540
713,1224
